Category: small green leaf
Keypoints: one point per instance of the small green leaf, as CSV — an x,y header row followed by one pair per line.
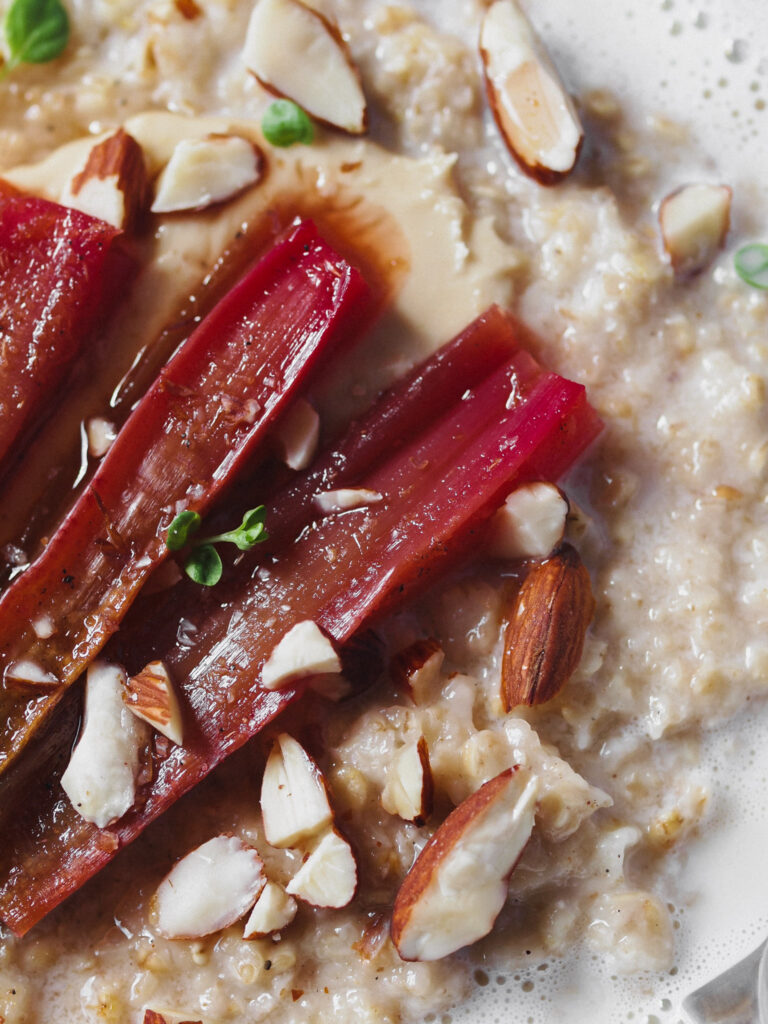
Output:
x,y
183,526
37,30
204,566
751,262
284,123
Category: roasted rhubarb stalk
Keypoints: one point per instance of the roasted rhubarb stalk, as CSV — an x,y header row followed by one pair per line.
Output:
x,y
59,270
437,491
199,424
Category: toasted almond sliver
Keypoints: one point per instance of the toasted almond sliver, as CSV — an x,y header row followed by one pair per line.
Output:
x,y
296,53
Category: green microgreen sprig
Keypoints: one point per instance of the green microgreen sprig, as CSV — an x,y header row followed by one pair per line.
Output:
x,y
36,32
284,123
751,263
203,564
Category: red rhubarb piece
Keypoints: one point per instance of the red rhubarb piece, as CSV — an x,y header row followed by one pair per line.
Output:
x,y
198,425
60,275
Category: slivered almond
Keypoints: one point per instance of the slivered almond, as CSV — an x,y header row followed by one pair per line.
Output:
x,y
205,171
409,790
535,114
694,222
418,667
545,634
150,696
304,651
297,53
113,185
453,893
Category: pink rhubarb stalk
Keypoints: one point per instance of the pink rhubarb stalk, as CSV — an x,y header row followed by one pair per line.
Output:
x,y
201,422
59,271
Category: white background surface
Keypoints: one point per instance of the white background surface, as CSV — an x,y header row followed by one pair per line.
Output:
x,y
704,63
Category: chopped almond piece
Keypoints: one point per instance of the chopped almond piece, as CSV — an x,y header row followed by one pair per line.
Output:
x,y
453,893
535,114
530,523
298,434
297,53
694,222
102,774
113,185
304,651
409,790
328,877
346,498
209,889
418,668
150,696
274,910
294,800
205,171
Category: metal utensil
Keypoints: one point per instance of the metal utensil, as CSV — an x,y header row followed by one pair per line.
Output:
x,y
731,997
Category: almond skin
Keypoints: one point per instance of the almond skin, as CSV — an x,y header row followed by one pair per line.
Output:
x,y
545,634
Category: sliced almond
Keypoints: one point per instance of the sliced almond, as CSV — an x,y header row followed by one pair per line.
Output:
x,y
328,877
294,799
535,114
113,185
205,171
273,911
209,889
346,498
418,667
102,775
298,434
530,523
304,651
409,790
297,53
453,893
694,222
150,696
545,634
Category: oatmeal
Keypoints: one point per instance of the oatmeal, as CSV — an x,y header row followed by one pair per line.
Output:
x,y
666,512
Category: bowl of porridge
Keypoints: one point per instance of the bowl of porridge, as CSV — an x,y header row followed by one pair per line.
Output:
x,y
460,315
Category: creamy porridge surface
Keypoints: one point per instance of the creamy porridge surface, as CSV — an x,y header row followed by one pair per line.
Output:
x,y
668,514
